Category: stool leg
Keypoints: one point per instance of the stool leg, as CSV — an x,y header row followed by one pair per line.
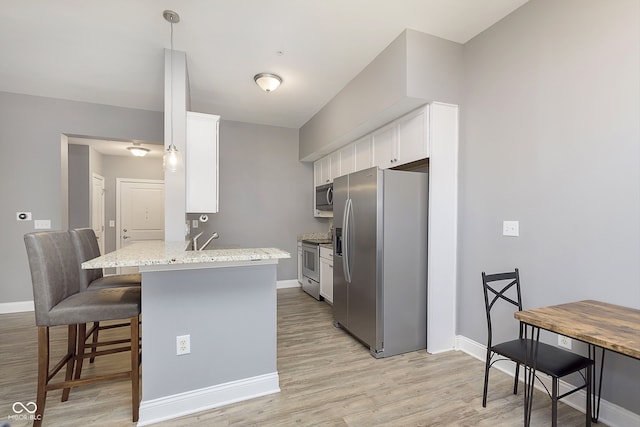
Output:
x,y
43,373
71,353
82,336
96,326
135,372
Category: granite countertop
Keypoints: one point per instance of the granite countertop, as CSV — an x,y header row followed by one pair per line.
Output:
x,y
165,253
314,236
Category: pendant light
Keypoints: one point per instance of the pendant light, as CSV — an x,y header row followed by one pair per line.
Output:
x,y
172,158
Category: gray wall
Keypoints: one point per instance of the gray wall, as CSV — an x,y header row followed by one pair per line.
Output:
x,y
266,195
79,186
30,167
414,69
550,137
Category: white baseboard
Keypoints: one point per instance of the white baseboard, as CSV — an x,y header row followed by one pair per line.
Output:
x,y
610,414
16,307
178,405
292,283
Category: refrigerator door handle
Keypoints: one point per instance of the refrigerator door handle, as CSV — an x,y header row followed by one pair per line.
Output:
x,y
346,253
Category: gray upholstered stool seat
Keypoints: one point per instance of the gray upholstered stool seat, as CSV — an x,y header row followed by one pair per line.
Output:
x,y
58,300
99,304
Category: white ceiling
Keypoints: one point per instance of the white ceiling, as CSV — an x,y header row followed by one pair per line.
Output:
x,y
111,52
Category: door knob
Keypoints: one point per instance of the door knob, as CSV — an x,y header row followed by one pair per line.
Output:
x,y
125,237
124,229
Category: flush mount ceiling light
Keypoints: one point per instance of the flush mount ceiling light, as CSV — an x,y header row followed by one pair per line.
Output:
x,y
172,159
137,150
268,82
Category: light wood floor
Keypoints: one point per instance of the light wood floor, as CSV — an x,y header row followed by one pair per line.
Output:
x,y
326,377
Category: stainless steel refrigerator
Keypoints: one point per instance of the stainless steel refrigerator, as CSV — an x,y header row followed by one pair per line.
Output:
x,y
380,259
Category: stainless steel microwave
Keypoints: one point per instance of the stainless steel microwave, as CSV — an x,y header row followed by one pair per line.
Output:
x,y
324,197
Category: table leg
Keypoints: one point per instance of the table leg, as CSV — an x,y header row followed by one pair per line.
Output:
x,y
531,356
596,382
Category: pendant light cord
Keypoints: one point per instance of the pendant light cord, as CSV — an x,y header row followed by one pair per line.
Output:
x,y
171,84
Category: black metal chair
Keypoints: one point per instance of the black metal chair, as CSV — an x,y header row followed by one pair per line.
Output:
x,y
550,360
58,301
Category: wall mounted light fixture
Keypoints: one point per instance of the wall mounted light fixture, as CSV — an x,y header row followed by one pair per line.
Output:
x,y
172,159
268,82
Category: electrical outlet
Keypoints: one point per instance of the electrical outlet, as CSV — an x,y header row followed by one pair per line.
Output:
x,y
564,341
183,344
194,223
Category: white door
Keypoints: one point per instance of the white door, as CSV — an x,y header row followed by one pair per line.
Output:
x,y
139,212
97,208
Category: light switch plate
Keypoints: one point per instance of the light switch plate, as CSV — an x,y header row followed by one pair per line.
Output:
x,y
112,223
42,224
511,228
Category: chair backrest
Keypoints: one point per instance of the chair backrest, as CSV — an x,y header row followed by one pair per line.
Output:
x,y
501,287
85,244
54,270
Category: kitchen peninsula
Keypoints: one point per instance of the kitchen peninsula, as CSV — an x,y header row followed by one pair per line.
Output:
x,y
218,307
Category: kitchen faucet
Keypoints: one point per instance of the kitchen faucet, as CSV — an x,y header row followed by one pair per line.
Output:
x,y
215,235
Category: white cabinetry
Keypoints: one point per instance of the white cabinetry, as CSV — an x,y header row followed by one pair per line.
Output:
x,y
347,159
334,165
300,263
385,141
326,273
402,141
363,153
413,136
322,171
201,163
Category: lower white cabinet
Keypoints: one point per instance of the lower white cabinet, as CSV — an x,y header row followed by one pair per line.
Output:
x,y
326,273
300,263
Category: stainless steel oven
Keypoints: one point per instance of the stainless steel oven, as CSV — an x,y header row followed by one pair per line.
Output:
x,y
311,268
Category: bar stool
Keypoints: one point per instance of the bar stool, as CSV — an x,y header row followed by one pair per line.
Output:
x,y
58,301
85,244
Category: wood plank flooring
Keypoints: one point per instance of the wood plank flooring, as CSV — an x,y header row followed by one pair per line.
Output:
x,y
327,379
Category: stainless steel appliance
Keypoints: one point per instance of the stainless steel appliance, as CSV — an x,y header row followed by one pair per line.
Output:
x,y
311,268
324,197
380,259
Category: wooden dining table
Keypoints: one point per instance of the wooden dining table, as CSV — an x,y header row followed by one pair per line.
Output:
x,y
599,324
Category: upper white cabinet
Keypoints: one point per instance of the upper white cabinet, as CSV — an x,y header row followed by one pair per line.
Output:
x,y
334,165
347,159
322,171
402,141
201,163
363,153
385,141
413,136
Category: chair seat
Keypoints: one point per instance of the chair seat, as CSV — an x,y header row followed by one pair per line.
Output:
x,y
551,360
115,281
96,305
